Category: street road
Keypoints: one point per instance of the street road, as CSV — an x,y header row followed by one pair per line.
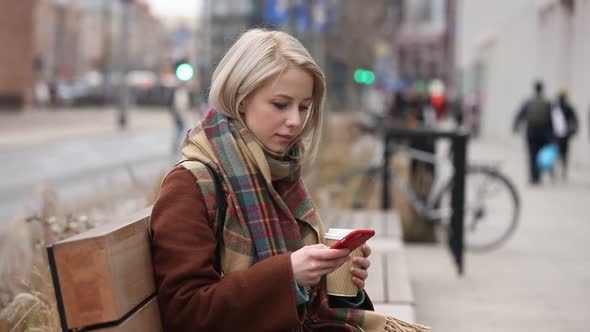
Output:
x,y
75,167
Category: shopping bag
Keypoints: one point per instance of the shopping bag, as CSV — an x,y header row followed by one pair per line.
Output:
x,y
547,157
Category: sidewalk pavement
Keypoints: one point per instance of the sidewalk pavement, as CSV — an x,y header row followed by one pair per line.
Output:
x,y
538,281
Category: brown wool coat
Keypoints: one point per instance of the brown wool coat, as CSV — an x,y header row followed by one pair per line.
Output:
x,y
190,294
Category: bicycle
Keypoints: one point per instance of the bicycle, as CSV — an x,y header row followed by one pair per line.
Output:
x,y
487,190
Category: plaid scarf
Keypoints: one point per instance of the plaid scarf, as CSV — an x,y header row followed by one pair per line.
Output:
x,y
269,213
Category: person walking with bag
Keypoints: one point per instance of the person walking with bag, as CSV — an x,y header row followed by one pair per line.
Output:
x,y
536,114
264,268
565,126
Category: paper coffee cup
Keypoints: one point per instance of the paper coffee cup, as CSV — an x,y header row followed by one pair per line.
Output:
x,y
340,280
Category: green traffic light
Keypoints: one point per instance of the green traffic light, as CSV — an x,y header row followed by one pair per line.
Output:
x,y
184,72
364,76
358,76
369,77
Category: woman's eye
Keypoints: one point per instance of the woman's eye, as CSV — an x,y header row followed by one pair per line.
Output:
x,y
280,105
303,108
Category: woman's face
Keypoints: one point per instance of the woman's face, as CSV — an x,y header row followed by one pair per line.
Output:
x,y
275,113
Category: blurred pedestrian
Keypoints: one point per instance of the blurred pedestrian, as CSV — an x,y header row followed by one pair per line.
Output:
x,y
565,126
42,96
179,105
374,103
474,115
53,94
397,108
264,269
535,113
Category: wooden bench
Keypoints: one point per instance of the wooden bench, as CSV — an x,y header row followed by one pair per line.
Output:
x,y
103,278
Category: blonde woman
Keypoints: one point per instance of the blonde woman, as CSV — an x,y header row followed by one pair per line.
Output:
x,y
266,100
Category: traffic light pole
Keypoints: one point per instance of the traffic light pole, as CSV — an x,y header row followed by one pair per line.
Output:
x,y
58,40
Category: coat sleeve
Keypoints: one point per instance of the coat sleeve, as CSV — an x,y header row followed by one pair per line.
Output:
x,y
572,120
520,117
191,294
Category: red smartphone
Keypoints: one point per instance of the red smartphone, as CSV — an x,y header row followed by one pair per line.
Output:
x,y
354,239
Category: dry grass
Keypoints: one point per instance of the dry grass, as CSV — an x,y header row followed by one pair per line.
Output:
x,y
342,151
27,301
332,160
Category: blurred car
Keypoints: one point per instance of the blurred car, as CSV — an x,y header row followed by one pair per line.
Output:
x,y
69,92
146,88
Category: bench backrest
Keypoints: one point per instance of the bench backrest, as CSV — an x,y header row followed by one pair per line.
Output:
x,y
103,278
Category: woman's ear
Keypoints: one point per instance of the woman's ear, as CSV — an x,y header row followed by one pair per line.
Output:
x,y
244,105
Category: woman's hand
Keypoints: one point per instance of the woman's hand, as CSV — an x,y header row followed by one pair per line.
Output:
x,y
360,266
310,263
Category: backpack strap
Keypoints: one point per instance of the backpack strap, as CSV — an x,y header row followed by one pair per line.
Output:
x,y
219,215
221,207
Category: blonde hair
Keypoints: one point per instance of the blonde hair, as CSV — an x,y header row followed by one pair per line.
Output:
x,y
257,56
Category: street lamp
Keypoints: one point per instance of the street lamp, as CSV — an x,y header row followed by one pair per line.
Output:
x,y
58,36
124,94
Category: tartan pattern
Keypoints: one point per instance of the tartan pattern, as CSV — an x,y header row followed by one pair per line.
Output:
x,y
255,196
260,221
263,220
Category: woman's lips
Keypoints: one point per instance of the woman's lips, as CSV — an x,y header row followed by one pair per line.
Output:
x,y
286,138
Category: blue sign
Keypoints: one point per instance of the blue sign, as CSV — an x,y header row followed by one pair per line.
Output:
x,y
277,11
181,35
302,18
394,84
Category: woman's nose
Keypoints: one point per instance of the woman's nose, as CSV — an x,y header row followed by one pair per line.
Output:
x,y
293,117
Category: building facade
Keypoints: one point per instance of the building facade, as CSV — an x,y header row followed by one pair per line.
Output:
x,y
509,46
56,39
16,57
63,40
426,42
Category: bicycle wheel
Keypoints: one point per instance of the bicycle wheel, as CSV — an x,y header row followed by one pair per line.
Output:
x,y
491,208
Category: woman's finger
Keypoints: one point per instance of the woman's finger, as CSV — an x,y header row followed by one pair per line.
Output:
x,y
366,250
329,254
328,264
358,283
361,274
361,262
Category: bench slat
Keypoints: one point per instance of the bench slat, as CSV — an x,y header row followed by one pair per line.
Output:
x,y
389,280
375,284
399,289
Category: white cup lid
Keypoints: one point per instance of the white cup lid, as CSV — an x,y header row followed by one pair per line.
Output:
x,y
337,233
